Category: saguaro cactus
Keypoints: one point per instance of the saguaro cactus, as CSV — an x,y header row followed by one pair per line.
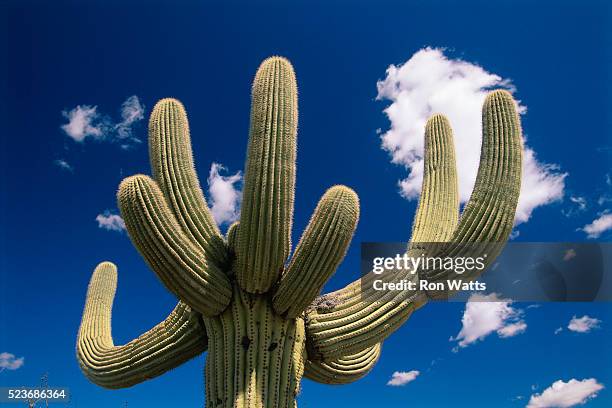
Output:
x,y
257,313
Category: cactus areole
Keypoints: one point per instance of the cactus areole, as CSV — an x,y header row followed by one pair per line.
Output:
x,y
240,297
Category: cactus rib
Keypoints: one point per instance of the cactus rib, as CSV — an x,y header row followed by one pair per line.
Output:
x,y
180,337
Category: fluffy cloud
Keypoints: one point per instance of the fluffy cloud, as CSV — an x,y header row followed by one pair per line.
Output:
x,y
224,197
486,314
600,225
85,122
566,394
111,222
428,83
400,378
64,165
583,324
8,361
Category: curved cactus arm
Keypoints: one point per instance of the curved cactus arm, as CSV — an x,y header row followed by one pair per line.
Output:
x,y
319,252
180,337
180,265
264,238
437,215
343,370
231,236
356,319
488,217
173,169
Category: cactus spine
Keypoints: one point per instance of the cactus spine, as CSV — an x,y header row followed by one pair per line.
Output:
x,y
257,314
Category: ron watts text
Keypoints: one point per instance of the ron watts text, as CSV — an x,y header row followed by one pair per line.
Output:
x,y
422,284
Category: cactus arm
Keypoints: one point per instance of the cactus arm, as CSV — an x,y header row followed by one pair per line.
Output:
x,y
359,319
438,211
180,265
343,370
173,169
231,236
264,237
319,252
180,337
488,217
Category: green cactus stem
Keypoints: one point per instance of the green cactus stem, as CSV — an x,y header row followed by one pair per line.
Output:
x,y
264,238
240,298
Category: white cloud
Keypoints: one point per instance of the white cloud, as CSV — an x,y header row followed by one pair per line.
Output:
x,y
111,222
8,361
600,225
431,83
566,394
580,201
224,197
132,111
400,378
583,324
512,329
86,122
558,330
579,205
83,121
64,165
485,314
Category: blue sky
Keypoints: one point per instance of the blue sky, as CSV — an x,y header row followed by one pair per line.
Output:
x,y
71,54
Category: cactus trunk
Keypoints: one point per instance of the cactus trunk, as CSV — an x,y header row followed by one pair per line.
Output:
x,y
255,357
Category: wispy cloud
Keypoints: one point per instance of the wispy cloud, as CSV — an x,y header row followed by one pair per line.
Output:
x,y
132,111
8,361
64,165
583,324
224,197
566,394
86,122
599,225
577,205
486,314
111,222
579,201
401,378
429,83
